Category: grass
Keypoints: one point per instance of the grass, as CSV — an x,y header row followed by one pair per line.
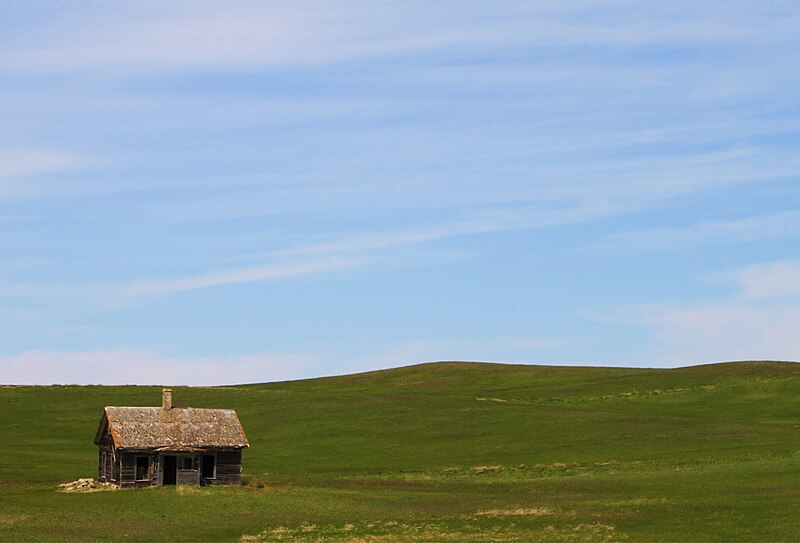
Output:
x,y
439,452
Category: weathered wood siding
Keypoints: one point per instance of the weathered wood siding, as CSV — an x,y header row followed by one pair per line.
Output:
x,y
159,470
229,468
188,477
127,469
153,471
120,468
105,463
106,472
127,463
115,466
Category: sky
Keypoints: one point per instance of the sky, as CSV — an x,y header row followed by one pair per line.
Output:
x,y
227,192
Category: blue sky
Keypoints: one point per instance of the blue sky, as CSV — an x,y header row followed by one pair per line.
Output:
x,y
208,193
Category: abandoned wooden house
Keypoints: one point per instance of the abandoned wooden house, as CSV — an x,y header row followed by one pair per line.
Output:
x,y
148,446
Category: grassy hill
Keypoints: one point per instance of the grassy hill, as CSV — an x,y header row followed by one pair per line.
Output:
x,y
447,451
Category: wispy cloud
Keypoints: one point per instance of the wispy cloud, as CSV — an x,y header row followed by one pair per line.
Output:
x,y
25,162
780,225
189,35
716,332
489,221
20,166
769,281
356,251
121,366
242,275
758,323
613,183
318,257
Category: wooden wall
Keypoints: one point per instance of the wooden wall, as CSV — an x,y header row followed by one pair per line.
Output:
x,y
188,477
111,471
121,468
127,469
105,473
229,468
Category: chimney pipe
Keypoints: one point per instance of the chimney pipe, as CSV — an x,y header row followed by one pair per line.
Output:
x,y
166,398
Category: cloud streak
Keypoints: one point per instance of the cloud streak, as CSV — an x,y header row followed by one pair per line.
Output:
x,y
781,225
242,275
19,168
358,251
769,281
718,332
758,323
182,35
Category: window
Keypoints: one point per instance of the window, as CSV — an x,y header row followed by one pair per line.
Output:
x,y
142,468
187,462
209,466
103,473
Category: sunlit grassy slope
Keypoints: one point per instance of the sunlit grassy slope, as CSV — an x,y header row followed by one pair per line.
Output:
x,y
447,451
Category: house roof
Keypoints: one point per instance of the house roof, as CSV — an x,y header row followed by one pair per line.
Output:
x,y
176,429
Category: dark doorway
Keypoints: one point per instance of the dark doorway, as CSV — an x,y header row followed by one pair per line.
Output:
x,y
208,466
142,468
170,470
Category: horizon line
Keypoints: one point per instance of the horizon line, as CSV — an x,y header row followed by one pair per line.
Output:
x,y
417,364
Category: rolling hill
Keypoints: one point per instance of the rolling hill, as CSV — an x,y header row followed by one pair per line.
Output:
x,y
443,451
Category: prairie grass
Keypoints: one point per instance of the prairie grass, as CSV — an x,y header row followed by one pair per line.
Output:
x,y
428,453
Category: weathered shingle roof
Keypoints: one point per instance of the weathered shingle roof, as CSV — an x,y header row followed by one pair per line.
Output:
x,y
172,429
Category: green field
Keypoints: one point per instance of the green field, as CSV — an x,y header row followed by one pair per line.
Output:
x,y
439,452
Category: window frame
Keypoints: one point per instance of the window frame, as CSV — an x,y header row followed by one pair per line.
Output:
x,y
136,468
192,463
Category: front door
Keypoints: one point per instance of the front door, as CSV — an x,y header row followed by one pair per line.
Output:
x,y
170,470
207,469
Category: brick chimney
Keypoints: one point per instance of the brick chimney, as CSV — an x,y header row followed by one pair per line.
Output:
x,y
166,398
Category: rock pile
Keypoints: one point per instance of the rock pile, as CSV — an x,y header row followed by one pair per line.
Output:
x,y
85,485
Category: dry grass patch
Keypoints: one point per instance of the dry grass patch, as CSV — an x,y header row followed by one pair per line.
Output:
x,y
556,469
11,519
188,490
486,469
420,531
524,512
584,532
639,501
